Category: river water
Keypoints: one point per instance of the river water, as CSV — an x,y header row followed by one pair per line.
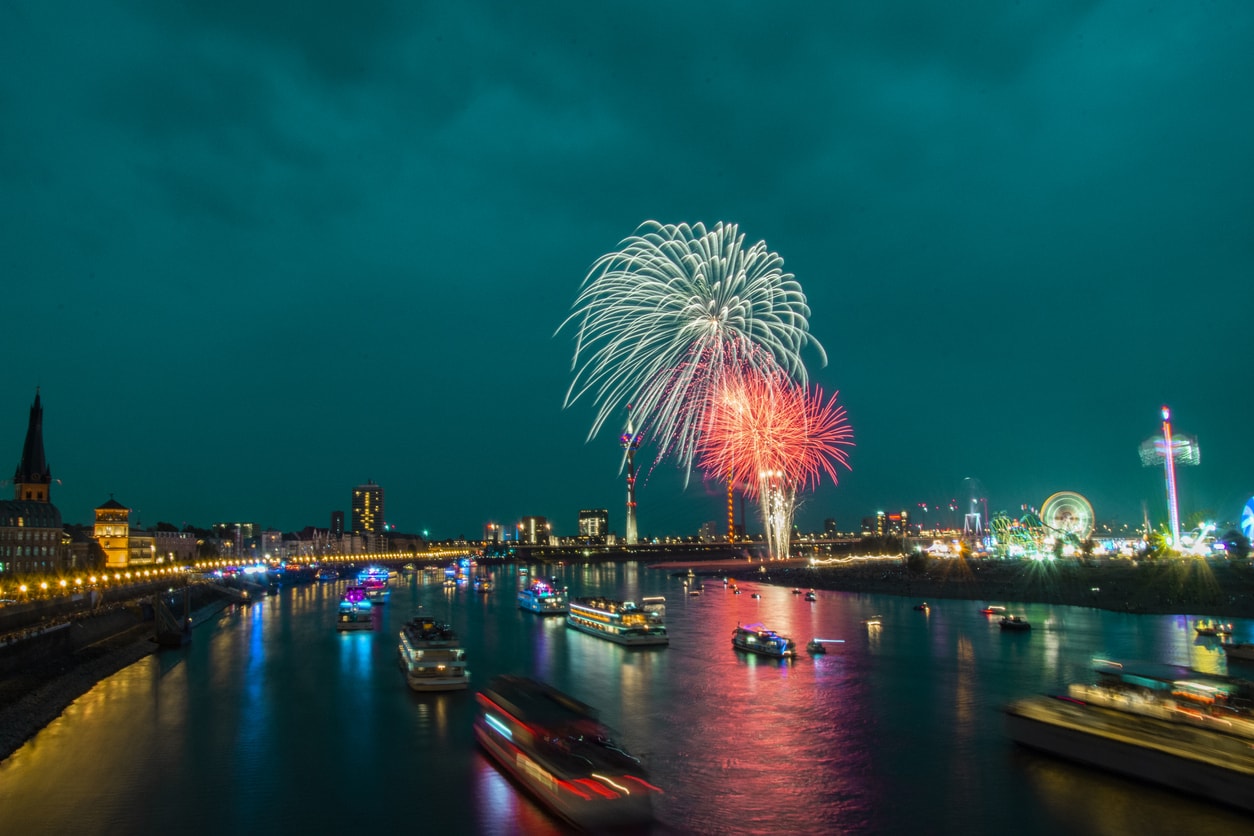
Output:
x,y
272,721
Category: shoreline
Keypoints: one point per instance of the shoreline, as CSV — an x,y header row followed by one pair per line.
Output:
x,y
1222,590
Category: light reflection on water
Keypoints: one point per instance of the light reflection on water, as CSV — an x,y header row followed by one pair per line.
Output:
x,y
271,718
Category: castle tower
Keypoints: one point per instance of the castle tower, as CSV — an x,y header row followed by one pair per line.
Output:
x,y
113,533
32,481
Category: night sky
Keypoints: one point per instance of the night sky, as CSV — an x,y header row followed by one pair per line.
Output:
x,y
255,254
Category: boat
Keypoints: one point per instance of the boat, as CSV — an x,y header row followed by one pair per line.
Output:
x,y
431,656
924,607
172,630
873,621
483,584
622,622
995,610
355,610
796,590
815,646
735,590
1239,651
754,638
810,596
1015,622
558,749
542,598
1210,628
326,573
755,595
1172,726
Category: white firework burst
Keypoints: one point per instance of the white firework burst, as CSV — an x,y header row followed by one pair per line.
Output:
x,y
662,319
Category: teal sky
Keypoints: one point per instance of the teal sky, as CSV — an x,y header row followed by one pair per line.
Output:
x,y
254,254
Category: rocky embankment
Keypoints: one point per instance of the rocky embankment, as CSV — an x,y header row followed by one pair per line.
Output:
x,y
36,693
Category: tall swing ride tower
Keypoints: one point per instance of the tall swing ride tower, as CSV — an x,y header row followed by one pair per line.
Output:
x,y
630,441
1170,450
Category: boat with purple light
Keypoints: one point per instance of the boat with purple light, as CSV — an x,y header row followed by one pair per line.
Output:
x,y
543,598
355,610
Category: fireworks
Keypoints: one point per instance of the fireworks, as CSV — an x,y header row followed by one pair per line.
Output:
x,y
666,318
774,438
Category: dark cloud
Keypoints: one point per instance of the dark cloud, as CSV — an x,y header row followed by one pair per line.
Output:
x,y
331,241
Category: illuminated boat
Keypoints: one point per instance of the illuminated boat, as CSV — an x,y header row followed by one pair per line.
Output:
x,y
1172,726
994,610
1015,623
431,656
557,748
621,622
355,610
542,598
754,638
483,584
1212,629
810,596
326,573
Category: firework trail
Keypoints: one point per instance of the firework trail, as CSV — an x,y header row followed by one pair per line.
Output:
x,y
662,320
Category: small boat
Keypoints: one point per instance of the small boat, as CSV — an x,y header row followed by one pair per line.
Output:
x,y
924,607
754,638
1212,629
796,591
543,598
816,646
810,596
994,610
735,590
355,610
1015,622
326,573
873,621
483,584
756,595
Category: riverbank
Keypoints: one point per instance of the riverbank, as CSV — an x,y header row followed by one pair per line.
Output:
x,y
1219,589
35,696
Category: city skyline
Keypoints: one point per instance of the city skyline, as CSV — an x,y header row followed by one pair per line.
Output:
x,y
262,259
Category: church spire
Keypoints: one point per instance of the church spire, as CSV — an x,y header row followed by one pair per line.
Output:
x,y
33,477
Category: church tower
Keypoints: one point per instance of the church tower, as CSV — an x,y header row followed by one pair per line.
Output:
x,y
33,479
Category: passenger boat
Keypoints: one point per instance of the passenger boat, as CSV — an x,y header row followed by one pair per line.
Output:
x,y
483,584
558,749
754,638
542,598
355,610
621,622
1239,651
1015,622
1212,629
431,656
1172,726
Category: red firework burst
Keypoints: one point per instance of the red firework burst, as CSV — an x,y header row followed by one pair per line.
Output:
x,y
767,422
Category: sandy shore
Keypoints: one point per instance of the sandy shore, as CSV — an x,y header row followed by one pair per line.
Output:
x,y
1178,586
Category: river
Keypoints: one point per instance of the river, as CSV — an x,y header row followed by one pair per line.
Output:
x,y
270,720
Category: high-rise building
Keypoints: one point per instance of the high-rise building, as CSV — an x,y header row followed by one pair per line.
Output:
x,y
30,525
594,525
337,523
534,531
368,509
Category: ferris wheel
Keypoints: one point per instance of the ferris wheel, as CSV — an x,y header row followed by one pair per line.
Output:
x,y
1247,520
1070,513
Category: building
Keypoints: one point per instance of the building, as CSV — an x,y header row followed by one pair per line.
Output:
x,y
337,524
125,547
534,531
368,509
31,534
594,526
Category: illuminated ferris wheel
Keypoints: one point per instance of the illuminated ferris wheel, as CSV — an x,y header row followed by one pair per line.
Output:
x,y
1070,513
